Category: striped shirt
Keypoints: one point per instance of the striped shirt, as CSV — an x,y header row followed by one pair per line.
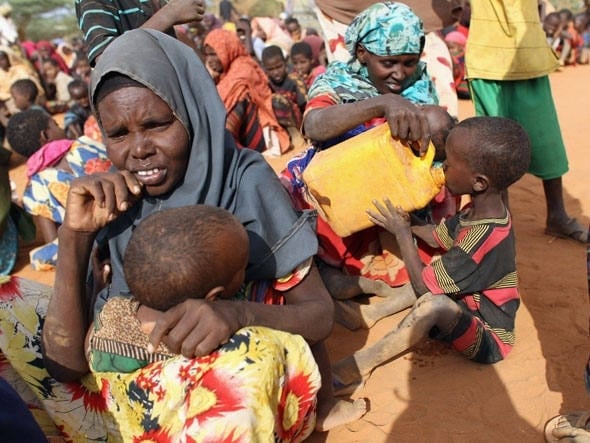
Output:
x,y
101,21
479,268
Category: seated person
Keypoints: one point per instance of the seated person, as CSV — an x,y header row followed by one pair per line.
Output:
x,y
25,94
289,91
469,296
195,251
14,221
246,94
55,82
53,162
303,62
79,111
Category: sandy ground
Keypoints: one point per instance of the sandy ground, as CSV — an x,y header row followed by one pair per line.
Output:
x,y
434,395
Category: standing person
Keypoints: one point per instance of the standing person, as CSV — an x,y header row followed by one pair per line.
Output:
x,y
468,297
164,127
101,21
508,61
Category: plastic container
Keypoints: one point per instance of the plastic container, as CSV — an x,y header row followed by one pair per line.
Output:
x,y
342,181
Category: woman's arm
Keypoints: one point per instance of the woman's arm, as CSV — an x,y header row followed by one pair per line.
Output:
x,y
197,327
176,12
92,202
406,120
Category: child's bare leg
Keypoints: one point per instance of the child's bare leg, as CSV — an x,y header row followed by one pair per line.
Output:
x,y
430,310
353,315
344,287
333,412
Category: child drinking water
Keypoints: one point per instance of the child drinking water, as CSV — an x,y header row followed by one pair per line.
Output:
x,y
469,297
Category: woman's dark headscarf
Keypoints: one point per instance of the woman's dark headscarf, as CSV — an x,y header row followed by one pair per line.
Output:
x,y
217,173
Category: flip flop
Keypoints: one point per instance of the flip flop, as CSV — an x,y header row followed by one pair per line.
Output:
x,y
572,428
572,230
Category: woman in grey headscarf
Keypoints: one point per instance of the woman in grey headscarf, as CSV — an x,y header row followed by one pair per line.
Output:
x,y
164,127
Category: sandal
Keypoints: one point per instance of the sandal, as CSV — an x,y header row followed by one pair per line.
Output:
x,y
571,427
572,230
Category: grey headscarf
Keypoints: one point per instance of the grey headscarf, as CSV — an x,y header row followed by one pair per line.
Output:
x,y
217,173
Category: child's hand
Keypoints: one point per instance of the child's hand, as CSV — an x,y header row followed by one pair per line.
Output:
x,y
393,219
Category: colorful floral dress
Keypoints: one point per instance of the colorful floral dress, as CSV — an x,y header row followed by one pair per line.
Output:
x,y
260,386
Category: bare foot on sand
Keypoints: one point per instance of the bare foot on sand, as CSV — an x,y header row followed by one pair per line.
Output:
x,y
339,412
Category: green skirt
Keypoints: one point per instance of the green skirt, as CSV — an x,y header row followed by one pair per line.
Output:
x,y
530,103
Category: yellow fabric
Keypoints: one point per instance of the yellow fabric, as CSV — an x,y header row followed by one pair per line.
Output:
x,y
343,181
506,41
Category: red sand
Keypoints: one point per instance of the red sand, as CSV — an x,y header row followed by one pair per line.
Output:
x,y
434,395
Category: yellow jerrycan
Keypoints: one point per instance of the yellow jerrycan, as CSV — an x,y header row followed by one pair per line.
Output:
x,y
342,181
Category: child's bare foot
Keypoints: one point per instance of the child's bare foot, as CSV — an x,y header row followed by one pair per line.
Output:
x,y
339,412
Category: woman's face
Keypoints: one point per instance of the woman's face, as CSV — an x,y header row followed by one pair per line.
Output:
x,y
212,63
388,73
144,137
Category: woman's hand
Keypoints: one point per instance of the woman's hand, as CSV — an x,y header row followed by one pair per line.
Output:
x,y
407,122
95,200
393,219
196,327
178,12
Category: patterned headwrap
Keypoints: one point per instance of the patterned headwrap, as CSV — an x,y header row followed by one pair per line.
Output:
x,y
386,29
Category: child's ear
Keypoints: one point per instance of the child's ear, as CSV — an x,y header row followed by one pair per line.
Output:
x,y
214,293
480,182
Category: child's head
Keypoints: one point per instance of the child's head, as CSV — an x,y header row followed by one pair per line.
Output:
x,y
274,64
293,28
302,58
82,65
24,93
78,90
196,251
551,24
50,68
27,131
485,153
440,123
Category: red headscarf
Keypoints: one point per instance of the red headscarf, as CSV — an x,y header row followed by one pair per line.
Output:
x,y
242,77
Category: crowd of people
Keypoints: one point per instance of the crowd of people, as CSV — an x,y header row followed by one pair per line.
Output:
x,y
187,268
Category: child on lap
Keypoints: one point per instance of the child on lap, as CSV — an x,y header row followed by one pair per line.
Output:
x,y
163,267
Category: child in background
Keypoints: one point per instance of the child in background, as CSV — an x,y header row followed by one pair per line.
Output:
x,y
195,251
81,69
469,296
25,94
53,161
289,91
79,111
303,62
56,84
